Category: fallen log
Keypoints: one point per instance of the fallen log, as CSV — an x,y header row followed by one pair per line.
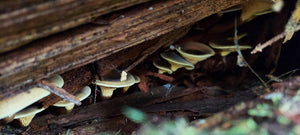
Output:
x,y
151,102
24,21
88,43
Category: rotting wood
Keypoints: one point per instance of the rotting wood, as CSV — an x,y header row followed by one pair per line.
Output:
x,y
111,108
153,102
89,43
24,21
138,52
77,78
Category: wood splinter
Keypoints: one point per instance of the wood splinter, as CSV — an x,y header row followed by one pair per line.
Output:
x,y
59,91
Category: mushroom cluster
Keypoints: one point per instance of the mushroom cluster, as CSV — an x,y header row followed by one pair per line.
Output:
x,y
113,80
22,107
193,52
15,106
185,57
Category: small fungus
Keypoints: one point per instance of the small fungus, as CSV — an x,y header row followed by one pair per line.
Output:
x,y
162,67
195,52
14,104
227,47
25,116
66,106
112,82
176,61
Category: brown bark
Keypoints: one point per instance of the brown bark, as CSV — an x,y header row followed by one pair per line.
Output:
x,y
88,43
151,102
24,21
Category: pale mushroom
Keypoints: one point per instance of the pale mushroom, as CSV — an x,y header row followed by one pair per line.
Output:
x,y
162,67
137,80
112,82
12,105
176,61
195,52
66,106
227,47
25,116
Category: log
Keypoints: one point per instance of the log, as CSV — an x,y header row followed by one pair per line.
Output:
x,y
151,102
78,78
91,42
24,21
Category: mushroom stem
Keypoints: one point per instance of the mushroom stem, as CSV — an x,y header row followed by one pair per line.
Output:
x,y
107,92
25,121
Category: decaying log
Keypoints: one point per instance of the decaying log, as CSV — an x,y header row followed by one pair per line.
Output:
x,y
78,78
153,101
91,42
24,21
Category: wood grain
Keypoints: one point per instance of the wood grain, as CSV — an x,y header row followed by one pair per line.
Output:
x,y
88,43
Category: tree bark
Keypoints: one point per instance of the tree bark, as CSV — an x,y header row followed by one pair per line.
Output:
x,y
91,42
24,21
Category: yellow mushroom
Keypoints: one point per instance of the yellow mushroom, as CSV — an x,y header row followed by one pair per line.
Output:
x,y
176,61
112,82
162,67
66,106
16,103
195,52
226,47
25,116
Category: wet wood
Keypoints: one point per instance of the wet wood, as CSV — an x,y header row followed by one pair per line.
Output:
x,y
78,78
155,101
24,21
91,42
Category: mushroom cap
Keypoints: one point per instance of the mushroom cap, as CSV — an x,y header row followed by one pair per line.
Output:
x,y
137,79
176,61
227,47
200,52
162,67
57,80
25,116
81,95
12,105
31,110
116,83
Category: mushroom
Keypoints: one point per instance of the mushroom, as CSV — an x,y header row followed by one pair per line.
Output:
x,y
66,106
195,52
25,116
137,80
162,67
112,82
12,105
226,47
176,61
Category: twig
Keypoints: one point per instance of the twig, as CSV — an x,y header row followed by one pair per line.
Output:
x,y
58,91
260,46
139,61
242,57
